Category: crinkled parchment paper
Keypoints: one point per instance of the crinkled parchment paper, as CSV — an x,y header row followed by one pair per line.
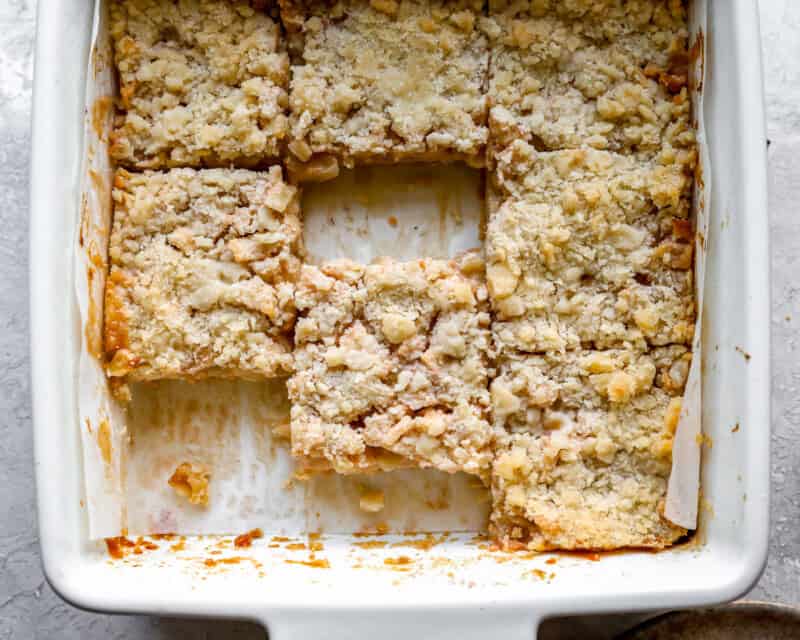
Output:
x,y
229,427
684,481
102,423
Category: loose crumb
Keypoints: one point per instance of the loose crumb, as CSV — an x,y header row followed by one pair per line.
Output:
x,y
191,482
246,539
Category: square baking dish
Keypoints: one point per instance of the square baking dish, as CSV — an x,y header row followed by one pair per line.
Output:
x,y
462,592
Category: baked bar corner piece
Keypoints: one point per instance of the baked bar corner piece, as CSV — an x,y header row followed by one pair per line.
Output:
x,y
606,74
203,83
388,80
587,453
203,265
392,367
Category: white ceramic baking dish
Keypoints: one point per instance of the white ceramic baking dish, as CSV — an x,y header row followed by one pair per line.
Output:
x,y
473,594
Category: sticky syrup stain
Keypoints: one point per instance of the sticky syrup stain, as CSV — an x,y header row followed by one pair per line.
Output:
x,y
371,544
246,539
104,441
178,546
316,563
121,546
233,560
101,109
425,544
398,561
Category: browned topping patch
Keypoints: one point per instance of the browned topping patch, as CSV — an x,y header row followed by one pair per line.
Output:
x,y
116,321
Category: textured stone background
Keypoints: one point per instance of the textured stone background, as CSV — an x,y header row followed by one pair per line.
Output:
x,y
29,608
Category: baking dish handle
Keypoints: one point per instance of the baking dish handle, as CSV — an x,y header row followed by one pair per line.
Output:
x,y
398,624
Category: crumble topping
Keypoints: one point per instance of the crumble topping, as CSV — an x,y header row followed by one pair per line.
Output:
x,y
392,358
202,83
388,80
202,274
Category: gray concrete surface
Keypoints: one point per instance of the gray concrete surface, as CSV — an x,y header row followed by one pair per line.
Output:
x,y
29,608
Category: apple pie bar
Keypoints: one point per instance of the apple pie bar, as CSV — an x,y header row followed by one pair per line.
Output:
x,y
202,83
587,449
392,367
607,75
203,264
589,248
388,80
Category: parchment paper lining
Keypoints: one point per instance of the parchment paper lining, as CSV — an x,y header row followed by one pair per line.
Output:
x,y
102,423
229,426
684,481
